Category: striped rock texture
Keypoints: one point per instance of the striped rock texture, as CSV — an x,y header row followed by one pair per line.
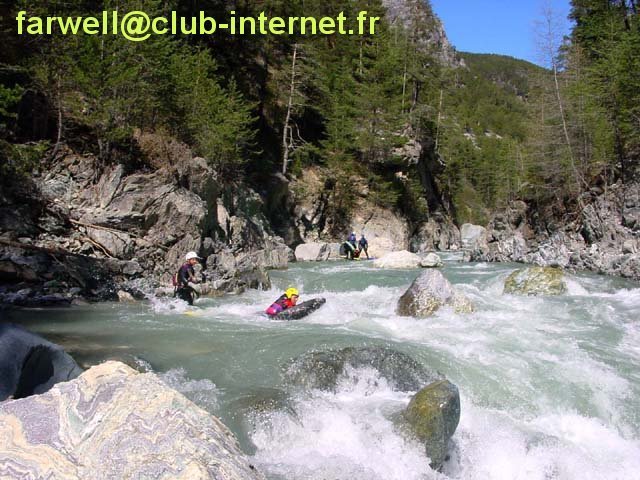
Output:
x,y
113,423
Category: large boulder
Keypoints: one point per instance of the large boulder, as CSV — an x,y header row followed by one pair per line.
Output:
x,y
536,281
112,422
312,252
431,260
430,291
473,237
321,370
433,415
29,364
402,259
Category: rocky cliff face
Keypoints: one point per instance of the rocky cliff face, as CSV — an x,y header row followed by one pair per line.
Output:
x,y
386,229
105,228
418,17
604,237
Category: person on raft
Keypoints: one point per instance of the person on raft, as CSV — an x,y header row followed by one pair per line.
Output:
x,y
186,275
351,247
363,245
287,300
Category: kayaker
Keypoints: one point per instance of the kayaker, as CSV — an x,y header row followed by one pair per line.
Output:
x,y
286,300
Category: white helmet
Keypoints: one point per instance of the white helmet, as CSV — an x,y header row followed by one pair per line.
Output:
x,y
191,255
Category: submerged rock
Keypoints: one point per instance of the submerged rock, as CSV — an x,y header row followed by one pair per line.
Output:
x,y
430,291
536,281
114,423
433,415
322,370
29,364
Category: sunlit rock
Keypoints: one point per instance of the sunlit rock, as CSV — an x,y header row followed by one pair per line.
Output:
x,y
402,259
431,260
430,291
112,422
313,252
536,281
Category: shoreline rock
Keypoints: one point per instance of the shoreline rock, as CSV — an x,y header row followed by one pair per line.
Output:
x,y
112,422
604,238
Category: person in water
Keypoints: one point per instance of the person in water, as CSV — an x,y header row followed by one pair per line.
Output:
x,y
187,275
287,300
351,247
363,244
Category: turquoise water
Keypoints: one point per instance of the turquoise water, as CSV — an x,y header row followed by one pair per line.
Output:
x,y
550,387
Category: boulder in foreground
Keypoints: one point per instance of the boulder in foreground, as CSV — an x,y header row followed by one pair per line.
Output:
x,y
112,422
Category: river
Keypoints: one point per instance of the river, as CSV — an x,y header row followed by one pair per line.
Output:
x,y
550,386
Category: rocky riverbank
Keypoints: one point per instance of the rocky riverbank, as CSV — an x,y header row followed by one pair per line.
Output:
x,y
603,238
88,231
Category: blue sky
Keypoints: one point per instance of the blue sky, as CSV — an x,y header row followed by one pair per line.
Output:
x,y
496,26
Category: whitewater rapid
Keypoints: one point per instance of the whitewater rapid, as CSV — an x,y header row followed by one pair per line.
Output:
x,y
550,386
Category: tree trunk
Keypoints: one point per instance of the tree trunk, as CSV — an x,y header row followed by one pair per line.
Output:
x,y
287,131
56,147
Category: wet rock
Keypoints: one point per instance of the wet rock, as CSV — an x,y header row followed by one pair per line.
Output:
x,y
322,370
312,252
402,259
536,281
433,415
29,364
430,291
431,260
112,422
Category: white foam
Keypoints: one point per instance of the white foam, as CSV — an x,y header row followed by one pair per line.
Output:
x,y
346,435
557,446
203,393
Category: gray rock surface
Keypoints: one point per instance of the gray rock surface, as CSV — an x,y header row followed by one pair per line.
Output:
x,y
132,230
431,260
313,252
322,370
473,236
402,259
430,291
112,422
29,364
604,238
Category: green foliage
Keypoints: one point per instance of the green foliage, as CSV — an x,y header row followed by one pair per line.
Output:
x,y
217,120
17,161
9,98
493,131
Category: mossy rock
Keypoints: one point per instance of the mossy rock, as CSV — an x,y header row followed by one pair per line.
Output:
x,y
433,415
536,281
